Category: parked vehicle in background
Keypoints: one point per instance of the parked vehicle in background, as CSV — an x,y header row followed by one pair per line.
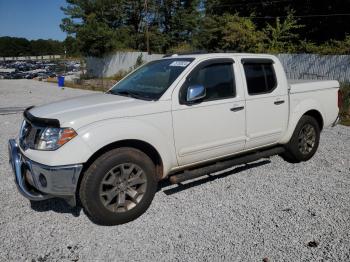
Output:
x,y
41,69
180,117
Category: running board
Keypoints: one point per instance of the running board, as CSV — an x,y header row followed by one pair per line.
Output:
x,y
225,164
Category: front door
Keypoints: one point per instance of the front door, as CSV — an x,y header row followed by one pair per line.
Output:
x,y
215,125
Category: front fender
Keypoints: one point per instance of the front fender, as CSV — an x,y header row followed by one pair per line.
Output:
x,y
157,133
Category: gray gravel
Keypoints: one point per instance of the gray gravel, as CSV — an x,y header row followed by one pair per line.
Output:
x,y
270,209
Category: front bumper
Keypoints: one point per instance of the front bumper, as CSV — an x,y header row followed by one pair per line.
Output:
x,y
39,182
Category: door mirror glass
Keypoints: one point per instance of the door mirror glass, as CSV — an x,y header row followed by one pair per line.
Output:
x,y
195,93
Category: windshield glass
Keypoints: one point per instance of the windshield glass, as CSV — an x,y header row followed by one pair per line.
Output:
x,y
152,80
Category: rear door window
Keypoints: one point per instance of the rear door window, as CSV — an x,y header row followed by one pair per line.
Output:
x,y
260,77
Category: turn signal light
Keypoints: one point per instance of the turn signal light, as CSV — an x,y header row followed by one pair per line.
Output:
x,y
66,135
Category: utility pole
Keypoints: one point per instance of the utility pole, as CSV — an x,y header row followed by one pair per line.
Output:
x,y
146,24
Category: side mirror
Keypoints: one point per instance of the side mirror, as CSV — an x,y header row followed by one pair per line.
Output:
x,y
195,92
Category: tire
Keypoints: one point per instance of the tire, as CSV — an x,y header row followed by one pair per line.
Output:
x,y
107,190
304,142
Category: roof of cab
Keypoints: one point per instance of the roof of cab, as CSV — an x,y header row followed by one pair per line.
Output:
x,y
209,55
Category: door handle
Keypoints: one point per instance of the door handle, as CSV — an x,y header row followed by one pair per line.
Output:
x,y
279,102
237,108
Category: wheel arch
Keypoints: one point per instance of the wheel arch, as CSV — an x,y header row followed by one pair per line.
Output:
x,y
143,146
317,115
308,107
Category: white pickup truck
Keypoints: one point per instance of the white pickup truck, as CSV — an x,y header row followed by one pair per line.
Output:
x,y
180,117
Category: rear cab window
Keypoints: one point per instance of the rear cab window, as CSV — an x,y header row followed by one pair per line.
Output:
x,y
260,76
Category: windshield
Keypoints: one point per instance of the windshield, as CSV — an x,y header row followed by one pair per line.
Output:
x,y
149,82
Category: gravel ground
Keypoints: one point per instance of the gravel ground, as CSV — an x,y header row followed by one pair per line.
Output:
x,y
270,210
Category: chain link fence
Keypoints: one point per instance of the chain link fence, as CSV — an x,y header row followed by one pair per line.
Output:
x,y
320,67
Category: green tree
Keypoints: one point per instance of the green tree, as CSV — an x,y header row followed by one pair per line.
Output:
x,y
102,26
96,38
46,47
124,23
331,47
95,24
71,46
329,23
179,21
282,36
13,46
229,32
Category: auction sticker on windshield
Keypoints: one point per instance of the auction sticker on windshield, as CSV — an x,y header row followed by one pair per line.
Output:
x,y
180,63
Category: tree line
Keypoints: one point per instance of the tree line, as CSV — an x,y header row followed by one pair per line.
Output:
x,y
165,26
98,27
16,46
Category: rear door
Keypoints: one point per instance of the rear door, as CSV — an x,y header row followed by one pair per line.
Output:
x,y
214,126
266,102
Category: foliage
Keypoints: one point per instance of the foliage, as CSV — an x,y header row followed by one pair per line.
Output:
x,y
102,26
71,47
98,27
240,34
96,38
120,75
139,61
282,37
345,89
181,20
317,15
331,47
181,48
345,110
46,47
13,46
229,32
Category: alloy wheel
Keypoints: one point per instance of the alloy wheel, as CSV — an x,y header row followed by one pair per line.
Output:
x,y
307,139
123,187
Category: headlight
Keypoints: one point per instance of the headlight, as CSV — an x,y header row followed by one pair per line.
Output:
x,y
53,138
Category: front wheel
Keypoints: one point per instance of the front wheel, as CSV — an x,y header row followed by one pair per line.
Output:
x,y
118,186
304,142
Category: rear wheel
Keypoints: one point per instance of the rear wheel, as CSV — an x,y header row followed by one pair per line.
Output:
x,y
304,142
118,187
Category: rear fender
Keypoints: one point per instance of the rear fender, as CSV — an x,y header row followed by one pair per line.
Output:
x,y
299,110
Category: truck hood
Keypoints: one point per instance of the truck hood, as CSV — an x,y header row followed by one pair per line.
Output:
x,y
81,111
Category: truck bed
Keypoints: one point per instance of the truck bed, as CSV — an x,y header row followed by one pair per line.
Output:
x,y
315,94
301,86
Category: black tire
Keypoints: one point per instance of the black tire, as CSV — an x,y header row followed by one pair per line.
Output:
x,y
91,187
295,151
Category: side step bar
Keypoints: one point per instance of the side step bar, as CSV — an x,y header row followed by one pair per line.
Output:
x,y
222,165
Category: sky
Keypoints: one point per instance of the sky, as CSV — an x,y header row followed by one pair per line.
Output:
x,y
32,19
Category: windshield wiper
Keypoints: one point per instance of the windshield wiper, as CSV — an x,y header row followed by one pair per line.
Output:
x,y
130,94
